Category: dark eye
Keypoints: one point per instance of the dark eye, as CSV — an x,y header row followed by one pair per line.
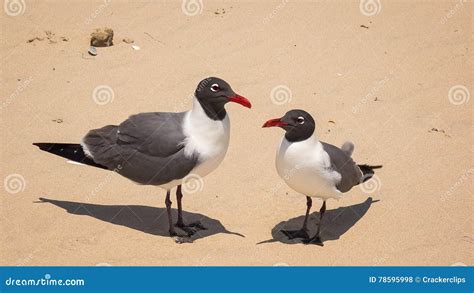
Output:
x,y
215,87
300,120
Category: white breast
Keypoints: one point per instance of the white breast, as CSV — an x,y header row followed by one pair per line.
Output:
x,y
305,167
207,138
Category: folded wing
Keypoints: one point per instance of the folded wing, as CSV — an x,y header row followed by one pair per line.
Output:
x,y
351,174
146,148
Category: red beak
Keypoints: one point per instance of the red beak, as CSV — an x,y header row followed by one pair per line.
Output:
x,y
241,100
274,122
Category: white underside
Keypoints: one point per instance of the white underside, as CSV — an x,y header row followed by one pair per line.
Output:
x,y
206,138
305,167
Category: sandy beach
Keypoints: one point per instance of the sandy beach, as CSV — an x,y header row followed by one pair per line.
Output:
x,y
394,77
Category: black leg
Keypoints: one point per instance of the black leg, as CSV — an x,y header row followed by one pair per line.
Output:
x,y
309,204
303,232
179,196
316,239
191,228
168,210
321,214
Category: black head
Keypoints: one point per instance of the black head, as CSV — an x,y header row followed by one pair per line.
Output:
x,y
298,124
213,93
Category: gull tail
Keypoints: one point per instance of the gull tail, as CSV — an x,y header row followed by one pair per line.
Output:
x,y
368,171
348,148
70,151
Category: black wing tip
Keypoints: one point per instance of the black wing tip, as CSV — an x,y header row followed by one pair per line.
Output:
x,y
371,166
50,145
44,146
368,171
70,151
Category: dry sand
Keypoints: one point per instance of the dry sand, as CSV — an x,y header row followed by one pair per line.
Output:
x,y
385,86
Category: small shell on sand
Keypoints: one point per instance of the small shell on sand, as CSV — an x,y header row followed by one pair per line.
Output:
x,y
102,37
135,47
92,50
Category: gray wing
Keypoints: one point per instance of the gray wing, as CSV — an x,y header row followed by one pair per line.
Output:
x,y
146,148
344,165
155,134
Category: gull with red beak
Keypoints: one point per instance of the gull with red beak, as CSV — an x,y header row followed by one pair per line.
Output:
x,y
160,148
314,168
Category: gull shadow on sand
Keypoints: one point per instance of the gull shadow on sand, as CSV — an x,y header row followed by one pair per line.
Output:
x,y
151,220
335,223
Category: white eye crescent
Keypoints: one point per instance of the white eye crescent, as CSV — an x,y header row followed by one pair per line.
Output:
x,y
300,120
215,87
